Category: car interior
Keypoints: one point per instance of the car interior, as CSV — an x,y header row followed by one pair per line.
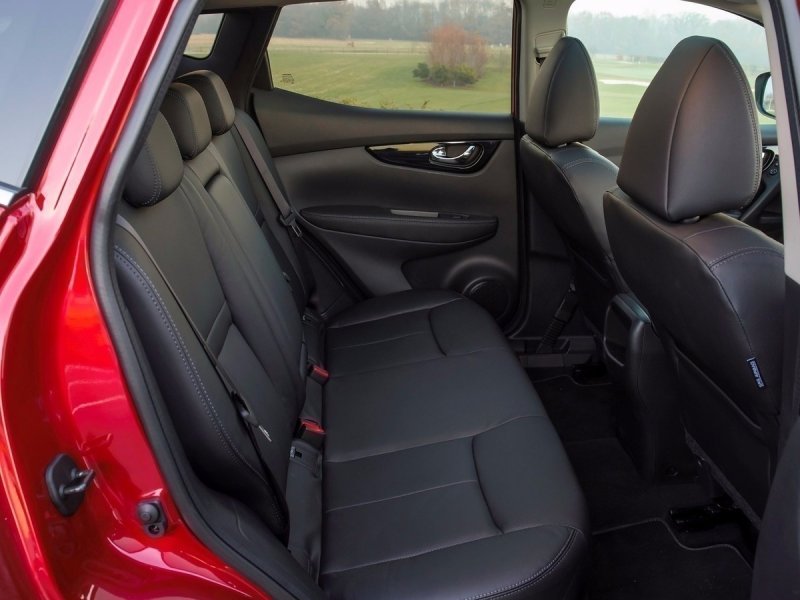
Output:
x,y
403,353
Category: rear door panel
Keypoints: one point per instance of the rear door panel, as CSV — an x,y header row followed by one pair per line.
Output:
x,y
396,227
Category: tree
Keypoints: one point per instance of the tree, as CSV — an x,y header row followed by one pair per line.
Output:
x,y
453,47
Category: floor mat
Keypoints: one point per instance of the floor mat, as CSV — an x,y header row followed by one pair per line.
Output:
x,y
645,561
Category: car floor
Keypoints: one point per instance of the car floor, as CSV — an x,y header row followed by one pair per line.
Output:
x,y
636,554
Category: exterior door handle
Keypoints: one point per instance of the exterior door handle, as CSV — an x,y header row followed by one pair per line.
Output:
x,y
466,159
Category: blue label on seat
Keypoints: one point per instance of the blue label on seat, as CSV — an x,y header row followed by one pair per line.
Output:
x,y
756,373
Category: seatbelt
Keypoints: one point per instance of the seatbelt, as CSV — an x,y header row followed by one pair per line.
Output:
x,y
258,434
287,216
563,316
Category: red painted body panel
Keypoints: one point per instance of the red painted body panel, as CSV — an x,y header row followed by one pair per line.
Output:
x,y
61,387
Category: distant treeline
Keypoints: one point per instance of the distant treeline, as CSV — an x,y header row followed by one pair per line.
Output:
x,y
402,20
635,37
654,37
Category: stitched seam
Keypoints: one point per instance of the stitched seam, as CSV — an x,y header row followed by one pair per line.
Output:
x,y
381,341
395,314
416,362
674,126
535,577
157,186
743,253
550,87
194,374
745,89
435,442
737,226
749,250
399,496
480,486
191,121
641,214
575,163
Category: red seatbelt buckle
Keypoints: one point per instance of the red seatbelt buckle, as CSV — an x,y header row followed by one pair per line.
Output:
x,y
319,374
310,432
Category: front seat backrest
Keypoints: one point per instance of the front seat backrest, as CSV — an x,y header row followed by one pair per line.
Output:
x,y
567,178
713,286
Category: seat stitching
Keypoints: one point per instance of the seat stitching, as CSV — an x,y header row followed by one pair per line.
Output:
x,y
435,442
638,212
734,256
535,577
430,550
480,487
157,186
416,362
721,227
398,496
166,318
191,121
380,341
395,314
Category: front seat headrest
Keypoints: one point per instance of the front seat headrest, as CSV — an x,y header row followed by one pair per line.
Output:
x,y
563,106
694,145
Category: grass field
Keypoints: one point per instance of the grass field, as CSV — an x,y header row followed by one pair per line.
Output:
x,y
378,74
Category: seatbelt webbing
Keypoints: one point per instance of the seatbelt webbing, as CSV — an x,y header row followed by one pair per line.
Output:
x,y
563,316
288,217
258,434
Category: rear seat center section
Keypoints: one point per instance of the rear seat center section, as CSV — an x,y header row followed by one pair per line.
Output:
x,y
426,466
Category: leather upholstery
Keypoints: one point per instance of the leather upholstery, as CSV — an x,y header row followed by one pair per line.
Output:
x,y
184,109
563,105
441,475
157,170
218,103
714,287
567,178
679,160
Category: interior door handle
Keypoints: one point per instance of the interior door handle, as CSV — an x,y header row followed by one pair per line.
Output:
x,y
469,157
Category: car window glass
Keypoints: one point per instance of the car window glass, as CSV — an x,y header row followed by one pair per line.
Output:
x,y
629,40
204,34
40,43
397,54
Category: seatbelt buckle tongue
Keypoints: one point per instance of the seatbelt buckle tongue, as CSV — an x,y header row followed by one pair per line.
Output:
x,y
319,374
310,432
290,221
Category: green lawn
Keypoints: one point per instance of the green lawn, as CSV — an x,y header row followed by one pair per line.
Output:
x,y
378,74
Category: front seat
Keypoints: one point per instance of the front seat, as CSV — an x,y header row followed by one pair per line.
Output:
x,y
567,178
714,287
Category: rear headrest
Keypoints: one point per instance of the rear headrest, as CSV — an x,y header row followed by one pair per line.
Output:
x,y
563,106
694,145
186,114
157,170
215,94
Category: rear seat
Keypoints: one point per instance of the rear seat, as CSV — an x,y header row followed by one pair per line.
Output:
x,y
440,475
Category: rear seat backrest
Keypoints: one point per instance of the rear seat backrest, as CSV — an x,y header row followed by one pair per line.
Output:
x,y
239,167
170,217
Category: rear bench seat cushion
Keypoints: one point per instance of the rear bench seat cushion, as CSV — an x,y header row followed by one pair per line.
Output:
x,y
407,327
496,514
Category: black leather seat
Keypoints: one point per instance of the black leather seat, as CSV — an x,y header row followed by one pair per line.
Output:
x,y
714,286
569,179
440,476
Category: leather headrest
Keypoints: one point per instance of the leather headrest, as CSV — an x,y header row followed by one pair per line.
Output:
x,y
186,114
157,170
215,94
563,106
694,145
